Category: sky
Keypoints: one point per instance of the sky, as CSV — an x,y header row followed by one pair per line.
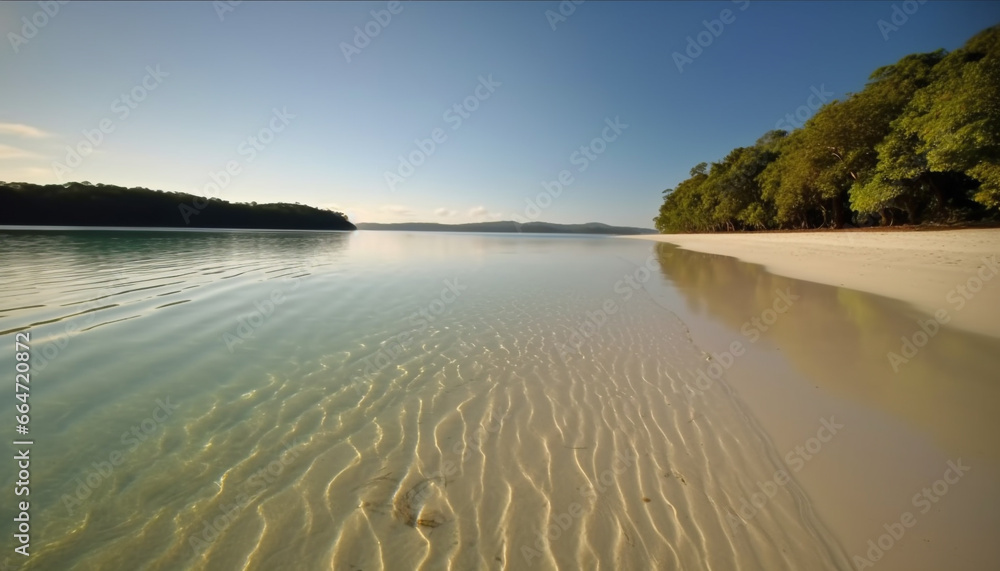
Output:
x,y
442,112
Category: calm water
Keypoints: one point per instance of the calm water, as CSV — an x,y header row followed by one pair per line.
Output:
x,y
287,400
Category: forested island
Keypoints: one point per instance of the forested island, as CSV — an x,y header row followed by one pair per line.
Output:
x,y
510,226
85,204
919,144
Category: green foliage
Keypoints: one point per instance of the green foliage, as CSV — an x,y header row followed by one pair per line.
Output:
x,y
682,209
84,204
920,142
788,182
956,120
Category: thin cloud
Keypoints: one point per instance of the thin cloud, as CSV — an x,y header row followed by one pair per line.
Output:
x,y
22,130
8,152
445,212
483,212
396,209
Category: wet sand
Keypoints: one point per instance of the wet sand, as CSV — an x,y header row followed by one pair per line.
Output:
x,y
908,425
925,269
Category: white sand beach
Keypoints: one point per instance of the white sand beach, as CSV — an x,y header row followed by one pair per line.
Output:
x,y
923,268
906,424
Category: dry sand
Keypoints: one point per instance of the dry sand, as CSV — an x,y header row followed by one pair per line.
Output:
x,y
920,268
827,356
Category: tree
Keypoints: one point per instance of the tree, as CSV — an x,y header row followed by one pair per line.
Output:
x,y
684,209
955,121
921,141
789,182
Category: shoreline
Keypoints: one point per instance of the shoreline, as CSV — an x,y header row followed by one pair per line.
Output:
x,y
825,357
948,273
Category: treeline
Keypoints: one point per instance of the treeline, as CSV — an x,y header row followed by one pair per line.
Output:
x,y
85,204
920,143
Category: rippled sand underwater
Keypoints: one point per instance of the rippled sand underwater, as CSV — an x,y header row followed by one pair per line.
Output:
x,y
316,400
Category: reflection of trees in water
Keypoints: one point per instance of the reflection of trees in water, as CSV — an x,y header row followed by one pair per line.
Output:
x,y
178,249
840,338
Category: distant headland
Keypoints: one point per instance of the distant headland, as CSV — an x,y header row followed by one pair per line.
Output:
x,y
86,204
510,226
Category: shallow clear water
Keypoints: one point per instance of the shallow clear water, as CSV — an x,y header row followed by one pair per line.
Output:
x,y
376,400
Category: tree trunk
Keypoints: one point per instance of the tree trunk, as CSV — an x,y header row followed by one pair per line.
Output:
x,y
939,209
911,210
838,212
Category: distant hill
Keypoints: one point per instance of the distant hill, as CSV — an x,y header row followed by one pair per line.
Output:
x,y
85,204
509,226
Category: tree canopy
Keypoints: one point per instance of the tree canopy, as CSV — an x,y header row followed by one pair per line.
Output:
x,y
85,204
920,143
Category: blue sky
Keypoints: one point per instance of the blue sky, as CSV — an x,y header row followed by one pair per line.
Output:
x,y
267,91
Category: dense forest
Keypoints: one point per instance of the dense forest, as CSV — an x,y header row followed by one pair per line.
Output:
x,y
85,204
919,144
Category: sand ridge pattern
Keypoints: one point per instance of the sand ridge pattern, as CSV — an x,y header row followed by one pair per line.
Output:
x,y
465,463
